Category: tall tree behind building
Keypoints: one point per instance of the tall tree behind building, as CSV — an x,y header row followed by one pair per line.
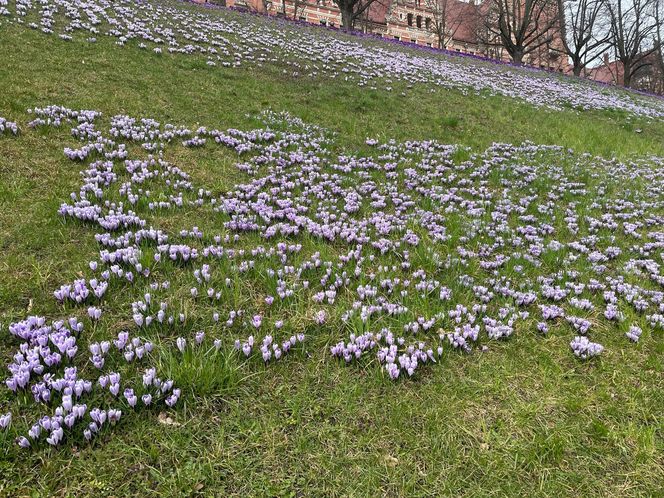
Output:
x,y
521,26
447,17
659,47
352,10
584,31
632,26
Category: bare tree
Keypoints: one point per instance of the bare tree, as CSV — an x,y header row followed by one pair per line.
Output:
x,y
583,31
351,10
659,48
522,26
632,26
298,8
364,21
447,17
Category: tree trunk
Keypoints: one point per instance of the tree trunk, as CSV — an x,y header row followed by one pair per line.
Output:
x,y
517,56
627,76
347,18
578,67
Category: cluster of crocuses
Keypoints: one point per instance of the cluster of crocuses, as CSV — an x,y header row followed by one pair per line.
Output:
x,y
37,362
451,254
394,353
55,115
230,39
634,333
269,349
79,292
134,349
7,126
584,348
44,346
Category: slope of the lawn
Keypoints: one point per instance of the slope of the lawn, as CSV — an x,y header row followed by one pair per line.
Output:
x,y
525,418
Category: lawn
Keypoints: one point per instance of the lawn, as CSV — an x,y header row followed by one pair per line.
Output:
x,y
516,415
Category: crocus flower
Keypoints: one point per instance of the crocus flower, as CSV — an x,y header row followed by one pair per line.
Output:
x,y
181,344
5,420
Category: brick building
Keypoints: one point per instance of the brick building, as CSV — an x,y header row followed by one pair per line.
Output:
x,y
649,77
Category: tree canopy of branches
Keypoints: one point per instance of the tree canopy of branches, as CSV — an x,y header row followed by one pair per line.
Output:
x,y
632,26
522,26
583,31
659,47
351,10
446,19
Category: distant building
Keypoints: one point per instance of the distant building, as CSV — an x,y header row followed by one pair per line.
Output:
x,y
649,77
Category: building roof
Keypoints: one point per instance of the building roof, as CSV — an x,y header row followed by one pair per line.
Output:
x,y
612,71
607,72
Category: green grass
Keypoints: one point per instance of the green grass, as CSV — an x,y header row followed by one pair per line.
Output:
x,y
525,418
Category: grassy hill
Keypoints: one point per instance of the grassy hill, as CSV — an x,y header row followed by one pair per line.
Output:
x,y
525,416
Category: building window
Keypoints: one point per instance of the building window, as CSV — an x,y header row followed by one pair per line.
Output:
x,y
413,40
410,19
427,23
429,44
418,21
302,18
397,38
